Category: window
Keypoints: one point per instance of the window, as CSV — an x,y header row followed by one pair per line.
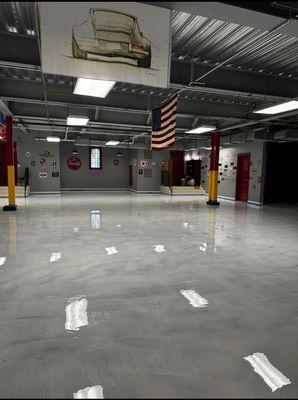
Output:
x,y
95,159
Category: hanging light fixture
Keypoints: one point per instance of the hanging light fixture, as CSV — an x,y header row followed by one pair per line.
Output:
x,y
75,152
119,154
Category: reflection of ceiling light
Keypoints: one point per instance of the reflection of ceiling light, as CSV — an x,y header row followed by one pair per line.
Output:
x,y
93,87
202,129
280,108
12,29
77,121
53,139
112,143
119,154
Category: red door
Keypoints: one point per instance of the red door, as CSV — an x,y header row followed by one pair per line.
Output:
x,y
177,157
130,175
242,181
3,164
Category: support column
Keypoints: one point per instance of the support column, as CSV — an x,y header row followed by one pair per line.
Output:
x,y
213,171
10,166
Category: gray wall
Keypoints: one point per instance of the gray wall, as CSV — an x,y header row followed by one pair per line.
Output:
x,y
109,177
228,155
149,181
27,143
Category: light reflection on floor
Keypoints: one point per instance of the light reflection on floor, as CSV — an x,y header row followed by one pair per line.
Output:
x,y
116,319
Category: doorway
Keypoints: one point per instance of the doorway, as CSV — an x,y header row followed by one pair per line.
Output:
x,y
130,175
280,173
177,158
242,180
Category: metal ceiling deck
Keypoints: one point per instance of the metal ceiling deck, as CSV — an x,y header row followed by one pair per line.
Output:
x,y
198,38
212,41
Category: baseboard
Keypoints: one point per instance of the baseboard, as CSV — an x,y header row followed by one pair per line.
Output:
x,y
186,194
226,198
248,201
94,189
144,191
45,193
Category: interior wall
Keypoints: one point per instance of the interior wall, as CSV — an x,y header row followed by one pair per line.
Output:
x,y
109,177
228,170
280,173
150,177
30,151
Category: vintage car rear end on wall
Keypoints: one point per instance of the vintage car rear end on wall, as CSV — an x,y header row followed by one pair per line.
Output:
x,y
111,36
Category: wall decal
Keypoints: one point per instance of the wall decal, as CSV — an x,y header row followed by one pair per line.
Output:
x,y
43,175
44,156
28,154
116,162
140,172
143,163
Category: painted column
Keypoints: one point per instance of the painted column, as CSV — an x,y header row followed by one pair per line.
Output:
x,y
213,171
10,166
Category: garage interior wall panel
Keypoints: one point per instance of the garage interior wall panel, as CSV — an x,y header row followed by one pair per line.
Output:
x,y
28,145
227,172
109,177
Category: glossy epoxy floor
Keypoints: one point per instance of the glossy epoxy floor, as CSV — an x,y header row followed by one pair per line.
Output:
x,y
90,295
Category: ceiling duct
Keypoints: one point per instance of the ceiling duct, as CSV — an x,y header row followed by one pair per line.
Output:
x,y
82,141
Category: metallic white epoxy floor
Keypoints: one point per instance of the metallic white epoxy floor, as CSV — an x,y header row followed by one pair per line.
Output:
x,y
139,336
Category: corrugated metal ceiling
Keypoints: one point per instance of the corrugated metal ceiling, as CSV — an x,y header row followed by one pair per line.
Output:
x,y
198,38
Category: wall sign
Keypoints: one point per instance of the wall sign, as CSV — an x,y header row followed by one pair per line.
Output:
x,y
44,156
161,163
143,163
55,174
116,162
74,163
32,163
140,172
127,42
43,175
28,154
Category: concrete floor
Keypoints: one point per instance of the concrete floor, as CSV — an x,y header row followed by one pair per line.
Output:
x,y
139,337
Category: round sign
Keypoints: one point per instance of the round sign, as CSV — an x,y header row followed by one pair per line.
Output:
x,y
143,163
74,163
116,162
28,154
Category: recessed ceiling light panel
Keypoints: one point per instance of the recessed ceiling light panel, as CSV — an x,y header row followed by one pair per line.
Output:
x,y
112,143
280,108
202,129
77,121
93,87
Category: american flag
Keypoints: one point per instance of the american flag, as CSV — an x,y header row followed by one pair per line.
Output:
x,y
164,124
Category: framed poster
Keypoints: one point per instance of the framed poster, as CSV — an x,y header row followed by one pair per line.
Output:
x,y
118,41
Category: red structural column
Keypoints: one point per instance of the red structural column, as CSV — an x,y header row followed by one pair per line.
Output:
x,y
213,171
10,166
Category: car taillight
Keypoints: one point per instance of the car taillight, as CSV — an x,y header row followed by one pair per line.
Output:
x,y
138,46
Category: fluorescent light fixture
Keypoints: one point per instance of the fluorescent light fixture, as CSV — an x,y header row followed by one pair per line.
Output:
x,y
112,143
280,108
77,121
53,139
202,129
93,87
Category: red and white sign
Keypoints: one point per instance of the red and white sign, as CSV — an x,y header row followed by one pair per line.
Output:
x,y
74,163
